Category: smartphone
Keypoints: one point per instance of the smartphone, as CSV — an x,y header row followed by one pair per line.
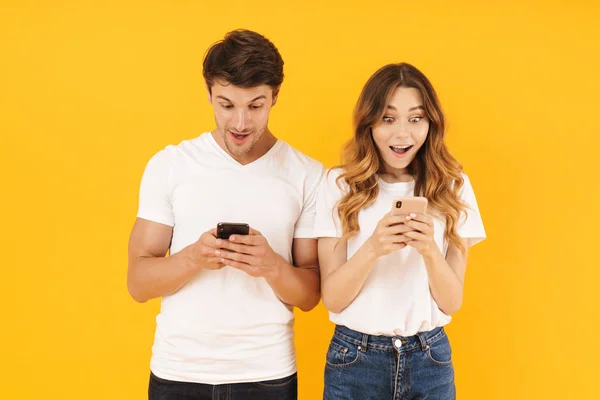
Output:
x,y
408,205
226,229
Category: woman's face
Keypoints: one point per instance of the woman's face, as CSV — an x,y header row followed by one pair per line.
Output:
x,y
402,130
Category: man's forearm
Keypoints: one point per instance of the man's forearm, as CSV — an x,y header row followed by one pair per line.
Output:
x,y
297,286
152,277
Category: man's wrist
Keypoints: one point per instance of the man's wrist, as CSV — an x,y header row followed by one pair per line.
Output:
x,y
181,258
277,272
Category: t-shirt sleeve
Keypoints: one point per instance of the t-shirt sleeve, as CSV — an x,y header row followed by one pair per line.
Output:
x,y
470,225
327,222
155,192
304,225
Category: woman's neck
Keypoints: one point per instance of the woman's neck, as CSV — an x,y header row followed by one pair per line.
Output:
x,y
395,176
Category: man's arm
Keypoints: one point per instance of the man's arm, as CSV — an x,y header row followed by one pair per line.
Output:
x,y
150,274
299,285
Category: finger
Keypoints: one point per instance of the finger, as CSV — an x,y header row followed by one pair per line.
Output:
x,y
211,241
255,232
393,220
419,226
207,251
418,236
398,239
249,269
396,230
398,246
233,256
239,248
416,244
251,240
426,219
209,237
214,260
394,247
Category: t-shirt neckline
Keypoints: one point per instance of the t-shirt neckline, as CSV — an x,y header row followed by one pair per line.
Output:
x,y
259,160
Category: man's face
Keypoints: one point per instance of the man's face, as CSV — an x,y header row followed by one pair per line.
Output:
x,y
241,114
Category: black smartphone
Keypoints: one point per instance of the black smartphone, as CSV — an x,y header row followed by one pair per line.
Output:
x,y
226,229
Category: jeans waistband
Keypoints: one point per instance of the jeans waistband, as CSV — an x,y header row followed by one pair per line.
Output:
x,y
365,341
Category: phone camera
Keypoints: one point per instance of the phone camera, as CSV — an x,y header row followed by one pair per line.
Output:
x,y
398,204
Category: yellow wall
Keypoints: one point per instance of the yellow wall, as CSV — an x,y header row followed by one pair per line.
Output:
x,y
89,93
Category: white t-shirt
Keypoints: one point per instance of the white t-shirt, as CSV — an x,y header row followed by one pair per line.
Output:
x,y
395,298
226,326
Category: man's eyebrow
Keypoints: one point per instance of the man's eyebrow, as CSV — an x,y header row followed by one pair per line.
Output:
x,y
262,96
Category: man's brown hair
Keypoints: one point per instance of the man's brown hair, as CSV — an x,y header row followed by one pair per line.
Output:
x,y
243,58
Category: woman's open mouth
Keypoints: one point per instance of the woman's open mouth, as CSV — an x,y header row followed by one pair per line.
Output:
x,y
401,149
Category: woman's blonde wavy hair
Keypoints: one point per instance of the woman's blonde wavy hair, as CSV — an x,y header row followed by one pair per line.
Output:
x,y
438,175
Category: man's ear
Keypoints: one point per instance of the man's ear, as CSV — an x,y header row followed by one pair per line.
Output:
x,y
275,95
209,92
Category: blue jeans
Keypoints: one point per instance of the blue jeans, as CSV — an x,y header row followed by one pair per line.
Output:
x,y
366,367
277,389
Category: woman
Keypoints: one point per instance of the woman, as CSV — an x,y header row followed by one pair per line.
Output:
x,y
392,281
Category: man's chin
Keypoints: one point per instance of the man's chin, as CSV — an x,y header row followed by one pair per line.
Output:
x,y
237,149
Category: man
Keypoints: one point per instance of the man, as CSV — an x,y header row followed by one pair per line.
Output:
x,y
225,329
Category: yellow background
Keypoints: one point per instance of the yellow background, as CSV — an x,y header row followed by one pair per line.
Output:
x,y
90,90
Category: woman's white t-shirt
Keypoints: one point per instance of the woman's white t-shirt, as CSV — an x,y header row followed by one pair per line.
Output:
x,y
395,299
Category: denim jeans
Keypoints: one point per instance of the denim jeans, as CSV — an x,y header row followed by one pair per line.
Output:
x,y
366,367
278,389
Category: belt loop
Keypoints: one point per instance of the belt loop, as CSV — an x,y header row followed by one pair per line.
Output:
x,y
423,340
363,345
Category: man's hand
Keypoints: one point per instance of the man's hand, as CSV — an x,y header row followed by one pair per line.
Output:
x,y
202,253
251,254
